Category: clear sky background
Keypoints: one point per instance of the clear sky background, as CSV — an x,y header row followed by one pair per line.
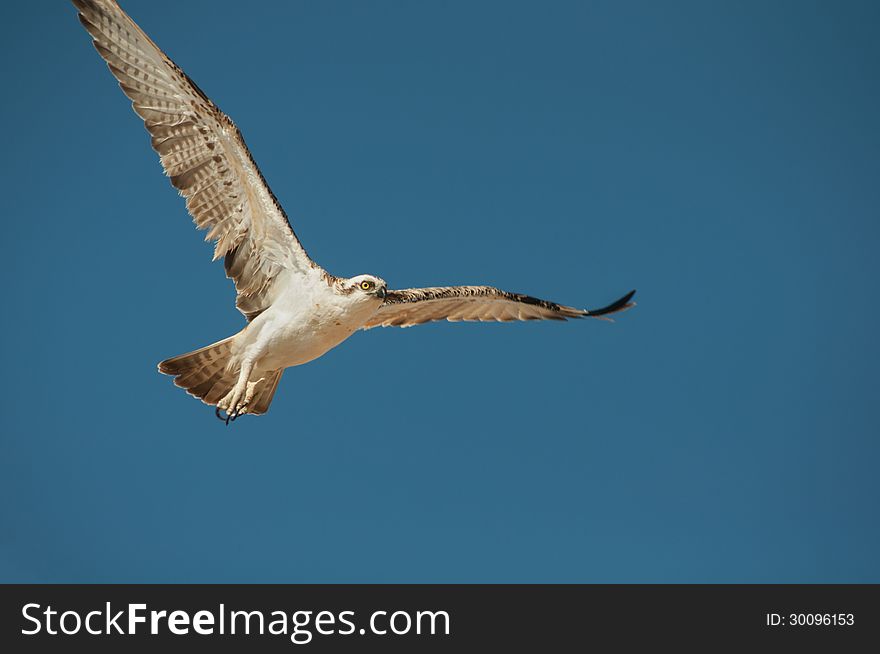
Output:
x,y
721,157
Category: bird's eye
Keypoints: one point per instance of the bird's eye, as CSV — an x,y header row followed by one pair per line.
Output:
x,y
366,285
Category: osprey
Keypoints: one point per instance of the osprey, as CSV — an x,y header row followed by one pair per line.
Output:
x,y
296,311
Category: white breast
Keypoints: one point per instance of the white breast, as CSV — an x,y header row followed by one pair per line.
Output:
x,y
306,321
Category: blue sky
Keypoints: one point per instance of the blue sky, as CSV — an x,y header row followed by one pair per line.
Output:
x,y
720,157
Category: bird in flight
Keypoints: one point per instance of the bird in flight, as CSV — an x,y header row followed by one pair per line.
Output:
x,y
296,311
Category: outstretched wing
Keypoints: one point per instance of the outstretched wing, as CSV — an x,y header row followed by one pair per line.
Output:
x,y
414,306
203,153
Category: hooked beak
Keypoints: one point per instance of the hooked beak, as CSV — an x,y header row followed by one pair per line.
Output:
x,y
381,292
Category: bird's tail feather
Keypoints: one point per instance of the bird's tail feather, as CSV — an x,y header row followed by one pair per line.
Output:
x,y
207,374
265,392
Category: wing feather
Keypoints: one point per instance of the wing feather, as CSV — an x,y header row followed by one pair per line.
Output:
x,y
415,306
204,156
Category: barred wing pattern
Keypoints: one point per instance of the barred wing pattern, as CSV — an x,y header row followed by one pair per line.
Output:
x,y
415,306
204,155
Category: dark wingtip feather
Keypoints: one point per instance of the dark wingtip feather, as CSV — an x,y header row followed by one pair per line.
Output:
x,y
620,305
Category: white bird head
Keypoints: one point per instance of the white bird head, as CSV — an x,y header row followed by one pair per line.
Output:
x,y
368,285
